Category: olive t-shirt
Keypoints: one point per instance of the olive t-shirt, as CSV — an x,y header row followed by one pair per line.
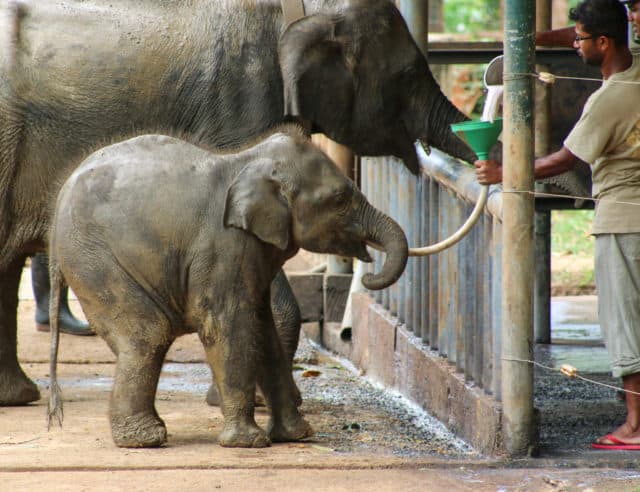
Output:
x,y
607,136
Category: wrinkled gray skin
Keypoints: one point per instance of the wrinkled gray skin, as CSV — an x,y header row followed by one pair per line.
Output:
x,y
77,74
158,238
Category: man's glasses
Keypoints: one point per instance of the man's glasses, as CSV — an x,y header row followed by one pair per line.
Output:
x,y
579,38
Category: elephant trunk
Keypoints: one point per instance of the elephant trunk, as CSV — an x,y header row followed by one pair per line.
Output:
x,y
436,131
385,234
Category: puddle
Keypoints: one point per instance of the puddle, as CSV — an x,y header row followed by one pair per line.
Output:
x,y
175,378
574,320
593,359
583,333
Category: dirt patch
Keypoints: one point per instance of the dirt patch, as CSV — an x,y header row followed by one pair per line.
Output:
x,y
572,275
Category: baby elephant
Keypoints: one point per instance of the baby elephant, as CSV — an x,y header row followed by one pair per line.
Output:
x,y
159,237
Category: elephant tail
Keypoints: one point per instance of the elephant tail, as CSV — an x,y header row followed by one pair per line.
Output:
x,y
54,409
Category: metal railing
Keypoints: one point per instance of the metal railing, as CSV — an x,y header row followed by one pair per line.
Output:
x,y
452,300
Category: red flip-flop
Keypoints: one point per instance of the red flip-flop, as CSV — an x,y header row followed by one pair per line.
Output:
x,y
617,445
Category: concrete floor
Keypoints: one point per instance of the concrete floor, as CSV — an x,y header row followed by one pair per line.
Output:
x,y
81,455
576,336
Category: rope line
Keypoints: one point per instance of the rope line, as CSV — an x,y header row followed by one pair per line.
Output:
x,y
571,372
558,195
549,78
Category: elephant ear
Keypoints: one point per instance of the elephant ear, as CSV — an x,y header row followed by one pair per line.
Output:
x,y
317,72
256,204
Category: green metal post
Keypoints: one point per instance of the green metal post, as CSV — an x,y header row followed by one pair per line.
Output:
x,y
518,223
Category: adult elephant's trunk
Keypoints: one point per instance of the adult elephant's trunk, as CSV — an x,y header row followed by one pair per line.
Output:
x,y
436,132
385,234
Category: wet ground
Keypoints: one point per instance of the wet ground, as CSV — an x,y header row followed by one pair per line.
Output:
x,y
365,438
574,411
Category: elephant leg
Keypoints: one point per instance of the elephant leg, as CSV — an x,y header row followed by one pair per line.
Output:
x,y
15,387
231,355
288,321
276,381
286,315
134,420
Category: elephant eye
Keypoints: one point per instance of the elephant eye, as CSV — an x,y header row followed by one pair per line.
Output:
x,y
340,198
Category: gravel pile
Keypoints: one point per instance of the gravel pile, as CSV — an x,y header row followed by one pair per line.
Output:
x,y
350,414
574,412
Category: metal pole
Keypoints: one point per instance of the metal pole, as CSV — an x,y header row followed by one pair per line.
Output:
x,y
518,214
542,293
344,158
416,15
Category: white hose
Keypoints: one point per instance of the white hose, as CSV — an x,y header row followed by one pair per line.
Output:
x,y
356,286
460,233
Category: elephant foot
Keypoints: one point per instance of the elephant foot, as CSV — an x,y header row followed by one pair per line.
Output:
x,y
138,431
16,388
234,435
213,397
293,429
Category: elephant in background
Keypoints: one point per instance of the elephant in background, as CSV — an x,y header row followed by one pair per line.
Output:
x,y
78,74
159,237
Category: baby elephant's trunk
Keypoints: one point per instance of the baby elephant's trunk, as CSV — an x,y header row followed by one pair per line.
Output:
x,y
55,409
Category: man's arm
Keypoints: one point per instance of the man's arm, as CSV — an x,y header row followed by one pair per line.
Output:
x,y
490,172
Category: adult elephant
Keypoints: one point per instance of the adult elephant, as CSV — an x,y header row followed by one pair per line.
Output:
x,y
79,74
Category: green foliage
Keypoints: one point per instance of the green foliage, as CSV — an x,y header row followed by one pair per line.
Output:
x,y
570,232
572,249
476,16
471,16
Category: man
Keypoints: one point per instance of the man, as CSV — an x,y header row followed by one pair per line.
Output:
x,y
563,37
607,136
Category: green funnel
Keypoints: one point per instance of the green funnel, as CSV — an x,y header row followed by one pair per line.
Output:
x,y
479,135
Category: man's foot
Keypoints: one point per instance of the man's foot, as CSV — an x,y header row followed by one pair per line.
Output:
x,y
609,442
623,435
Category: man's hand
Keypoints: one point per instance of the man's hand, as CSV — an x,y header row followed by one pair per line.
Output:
x,y
488,172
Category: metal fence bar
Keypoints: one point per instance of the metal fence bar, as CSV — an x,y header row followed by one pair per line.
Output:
x,y
392,193
466,299
402,212
385,172
425,272
443,286
478,317
434,264
418,286
495,349
409,213
452,300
